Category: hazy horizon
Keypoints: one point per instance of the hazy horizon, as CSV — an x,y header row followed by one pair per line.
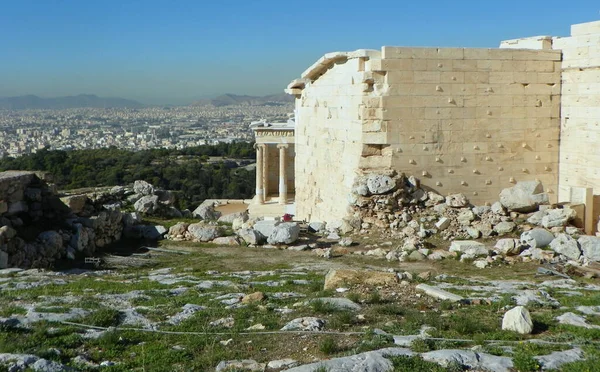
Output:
x,y
157,52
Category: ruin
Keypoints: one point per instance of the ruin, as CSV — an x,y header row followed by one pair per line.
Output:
x,y
464,120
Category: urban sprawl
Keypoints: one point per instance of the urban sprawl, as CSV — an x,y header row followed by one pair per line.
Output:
x,y
27,131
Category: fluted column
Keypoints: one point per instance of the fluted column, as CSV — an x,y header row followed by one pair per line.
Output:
x,y
265,171
282,174
260,196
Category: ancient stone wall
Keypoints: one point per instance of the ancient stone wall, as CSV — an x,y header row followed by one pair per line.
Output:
x,y
37,227
580,119
470,120
328,138
463,120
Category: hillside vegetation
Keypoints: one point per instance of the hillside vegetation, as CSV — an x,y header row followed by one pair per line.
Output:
x,y
187,172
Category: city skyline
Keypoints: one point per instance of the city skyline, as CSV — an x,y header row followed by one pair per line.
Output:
x,y
159,53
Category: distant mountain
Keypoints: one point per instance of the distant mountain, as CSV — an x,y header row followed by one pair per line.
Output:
x,y
82,100
233,99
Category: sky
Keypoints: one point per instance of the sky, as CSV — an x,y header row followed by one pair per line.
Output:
x,y
179,51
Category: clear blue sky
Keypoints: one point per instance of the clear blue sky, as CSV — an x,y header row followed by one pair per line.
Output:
x,y
178,51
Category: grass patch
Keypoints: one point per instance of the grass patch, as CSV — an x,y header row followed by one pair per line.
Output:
x,y
10,310
103,317
414,364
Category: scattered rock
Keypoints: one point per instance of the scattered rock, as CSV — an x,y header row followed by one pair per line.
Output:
x,y
590,246
282,364
226,240
203,232
305,324
253,297
457,201
206,211
504,227
439,293
240,365
518,320
469,248
339,303
567,246
557,217
284,233
380,184
250,236
537,238
525,196
345,241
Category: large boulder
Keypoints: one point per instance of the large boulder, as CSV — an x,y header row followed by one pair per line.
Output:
x,y
525,196
265,227
75,202
380,184
469,248
229,218
518,320
590,246
504,227
206,211
557,217
285,233
537,238
250,236
338,278
143,188
146,204
203,232
567,246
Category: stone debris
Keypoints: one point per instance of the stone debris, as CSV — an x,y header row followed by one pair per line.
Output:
x,y
371,361
575,320
469,359
525,196
556,359
439,293
282,364
339,303
567,246
537,238
240,365
305,324
187,311
284,233
223,322
518,320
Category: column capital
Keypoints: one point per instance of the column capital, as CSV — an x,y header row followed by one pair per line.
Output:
x,y
282,146
259,146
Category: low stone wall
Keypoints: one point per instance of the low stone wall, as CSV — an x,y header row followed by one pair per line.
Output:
x,y
37,227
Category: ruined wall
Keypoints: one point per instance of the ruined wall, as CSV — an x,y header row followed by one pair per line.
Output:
x,y
474,121
471,120
328,138
37,227
580,119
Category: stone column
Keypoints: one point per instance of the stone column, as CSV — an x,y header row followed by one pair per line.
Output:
x,y
260,197
265,171
282,174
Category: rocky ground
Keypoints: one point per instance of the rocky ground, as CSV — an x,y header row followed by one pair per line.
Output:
x,y
196,306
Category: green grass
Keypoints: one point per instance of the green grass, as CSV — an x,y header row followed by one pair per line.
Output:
x,y
9,310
